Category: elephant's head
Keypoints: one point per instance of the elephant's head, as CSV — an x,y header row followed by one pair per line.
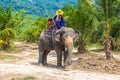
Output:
x,y
67,36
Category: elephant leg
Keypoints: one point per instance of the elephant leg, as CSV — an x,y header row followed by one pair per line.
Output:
x,y
65,58
59,58
45,57
40,59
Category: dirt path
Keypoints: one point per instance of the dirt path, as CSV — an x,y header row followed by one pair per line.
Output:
x,y
25,64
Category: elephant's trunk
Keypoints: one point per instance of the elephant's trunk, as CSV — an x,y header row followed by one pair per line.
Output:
x,y
68,49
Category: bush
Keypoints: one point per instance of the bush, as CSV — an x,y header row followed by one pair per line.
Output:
x,y
31,34
6,36
3,45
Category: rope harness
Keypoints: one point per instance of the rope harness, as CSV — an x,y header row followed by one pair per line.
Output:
x,y
52,34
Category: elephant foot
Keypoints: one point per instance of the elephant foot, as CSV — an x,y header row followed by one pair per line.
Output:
x,y
60,66
45,64
40,64
67,68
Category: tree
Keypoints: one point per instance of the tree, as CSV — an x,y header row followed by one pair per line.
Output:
x,y
31,34
10,22
109,16
107,51
6,32
83,19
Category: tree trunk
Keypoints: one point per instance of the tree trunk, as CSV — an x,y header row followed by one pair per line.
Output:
x,y
107,46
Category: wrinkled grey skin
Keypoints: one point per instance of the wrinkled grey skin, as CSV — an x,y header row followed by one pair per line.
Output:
x,y
63,43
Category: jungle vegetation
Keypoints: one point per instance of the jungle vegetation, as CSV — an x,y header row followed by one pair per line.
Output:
x,y
98,22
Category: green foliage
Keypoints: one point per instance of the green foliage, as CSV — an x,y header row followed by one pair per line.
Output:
x,y
98,34
2,45
9,25
27,78
115,31
44,8
115,37
41,23
5,16
113,17
82,19
89,18
31,34
9,19
20,21
7,33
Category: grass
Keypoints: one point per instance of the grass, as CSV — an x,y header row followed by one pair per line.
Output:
x,y
27,78
6,56
95,47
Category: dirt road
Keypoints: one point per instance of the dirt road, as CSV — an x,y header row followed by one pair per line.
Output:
x,y
24,63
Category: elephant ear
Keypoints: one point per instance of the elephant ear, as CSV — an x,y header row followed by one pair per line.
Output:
x,y
76,35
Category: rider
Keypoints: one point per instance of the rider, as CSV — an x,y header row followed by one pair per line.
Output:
x,y
58,19
51,26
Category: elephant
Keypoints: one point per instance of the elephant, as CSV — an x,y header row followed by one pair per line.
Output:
x,y
63,44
